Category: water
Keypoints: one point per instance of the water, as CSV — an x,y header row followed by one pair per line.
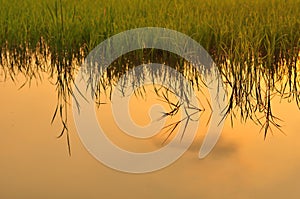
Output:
x,y
34,164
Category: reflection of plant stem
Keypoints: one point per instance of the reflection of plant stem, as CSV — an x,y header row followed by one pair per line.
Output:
x,y
250,83
174,109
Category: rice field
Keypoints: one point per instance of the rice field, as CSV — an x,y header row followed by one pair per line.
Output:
x,y
231,28
255,44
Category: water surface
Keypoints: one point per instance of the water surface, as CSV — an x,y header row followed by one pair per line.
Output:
x,y
35,164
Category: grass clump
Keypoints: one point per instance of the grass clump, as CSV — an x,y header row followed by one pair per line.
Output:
x,y
255,44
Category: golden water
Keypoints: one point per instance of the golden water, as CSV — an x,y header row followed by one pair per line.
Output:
x,y
34,164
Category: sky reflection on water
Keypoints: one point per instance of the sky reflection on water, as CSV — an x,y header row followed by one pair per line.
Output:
x,y
34,164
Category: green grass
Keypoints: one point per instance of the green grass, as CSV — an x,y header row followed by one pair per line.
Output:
x,y
234,29
255,43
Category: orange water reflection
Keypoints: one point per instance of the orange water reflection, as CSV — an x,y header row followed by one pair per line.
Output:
x,y
34,164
